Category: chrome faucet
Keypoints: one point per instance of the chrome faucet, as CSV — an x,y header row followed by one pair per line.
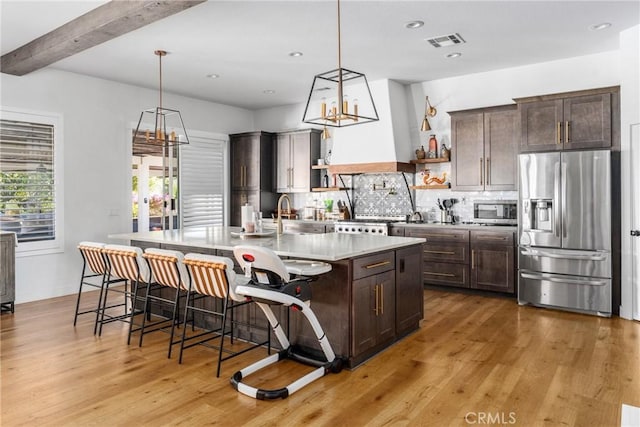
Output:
x,y
283,197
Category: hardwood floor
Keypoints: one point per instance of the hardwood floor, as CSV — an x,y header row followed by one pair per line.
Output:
x,y
475,360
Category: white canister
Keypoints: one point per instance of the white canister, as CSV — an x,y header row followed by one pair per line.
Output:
x,y
247,215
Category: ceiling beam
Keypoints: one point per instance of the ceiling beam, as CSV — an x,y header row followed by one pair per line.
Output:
x,y
91,29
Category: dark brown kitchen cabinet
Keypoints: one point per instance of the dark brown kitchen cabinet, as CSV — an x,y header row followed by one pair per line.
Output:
x,y
252,173
373,302
445,255
493,261
373,311
296,152
484,148
569,121
7,271
409,298
395,230
252,161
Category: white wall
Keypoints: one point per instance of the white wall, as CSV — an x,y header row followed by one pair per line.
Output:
x,y
501,86
97,159
629,115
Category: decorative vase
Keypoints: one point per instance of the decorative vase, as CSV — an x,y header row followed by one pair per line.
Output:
x,y
445,153
433,147
420,153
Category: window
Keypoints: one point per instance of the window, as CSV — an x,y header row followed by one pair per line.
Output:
x,y
30,191
202,182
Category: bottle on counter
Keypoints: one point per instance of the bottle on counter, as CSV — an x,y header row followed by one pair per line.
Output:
x,y
259,223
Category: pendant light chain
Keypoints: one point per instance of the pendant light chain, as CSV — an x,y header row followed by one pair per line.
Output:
x,y
160,55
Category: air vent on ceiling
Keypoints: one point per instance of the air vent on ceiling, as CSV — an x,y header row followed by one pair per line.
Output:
x,y
448,40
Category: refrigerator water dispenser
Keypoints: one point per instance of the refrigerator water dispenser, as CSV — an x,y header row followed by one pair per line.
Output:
x,y
542,215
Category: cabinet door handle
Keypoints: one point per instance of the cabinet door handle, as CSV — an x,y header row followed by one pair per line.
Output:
x,y
558,133
440,236
381,293
492,238
377,264
439,252
481,168
440,274
473,259
375,307
488,176
567,137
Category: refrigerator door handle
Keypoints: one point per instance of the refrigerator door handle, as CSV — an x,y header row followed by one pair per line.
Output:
x,y
564,200
528,252
556,200
562,280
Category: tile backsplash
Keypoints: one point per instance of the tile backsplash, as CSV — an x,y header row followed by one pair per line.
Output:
x,y
386,194
426,200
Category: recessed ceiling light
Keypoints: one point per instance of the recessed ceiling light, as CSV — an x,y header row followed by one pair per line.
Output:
x,y
269,91
598,27
213,76
414,24
295,54
453,55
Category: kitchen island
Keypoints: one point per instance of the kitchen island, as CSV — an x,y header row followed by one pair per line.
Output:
x,y
372,297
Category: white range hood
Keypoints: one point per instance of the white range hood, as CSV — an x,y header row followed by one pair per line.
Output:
x,y
385,141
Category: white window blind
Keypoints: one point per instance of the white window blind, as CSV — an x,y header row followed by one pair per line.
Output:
x,y
27,184
202,182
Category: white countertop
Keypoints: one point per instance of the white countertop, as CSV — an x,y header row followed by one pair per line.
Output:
x,y
323,247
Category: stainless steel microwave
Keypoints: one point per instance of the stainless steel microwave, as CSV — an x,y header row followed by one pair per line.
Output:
x,y
495,212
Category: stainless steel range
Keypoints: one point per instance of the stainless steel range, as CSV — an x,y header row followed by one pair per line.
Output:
x,y
367,224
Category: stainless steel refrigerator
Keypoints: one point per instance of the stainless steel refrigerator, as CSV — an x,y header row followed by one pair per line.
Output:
x,y
564,255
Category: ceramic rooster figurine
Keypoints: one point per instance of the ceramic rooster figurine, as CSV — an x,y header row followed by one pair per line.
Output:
x,y
431,180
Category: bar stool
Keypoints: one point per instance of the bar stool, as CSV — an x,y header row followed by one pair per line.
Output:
x,y
168,272
93,265
125,262
213,276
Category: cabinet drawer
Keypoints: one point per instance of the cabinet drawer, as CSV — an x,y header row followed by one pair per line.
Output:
x,y
492,237
442,273
373,264
396,231
438,235
447,252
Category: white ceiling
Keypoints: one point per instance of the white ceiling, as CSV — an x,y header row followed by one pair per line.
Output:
x,y
247,42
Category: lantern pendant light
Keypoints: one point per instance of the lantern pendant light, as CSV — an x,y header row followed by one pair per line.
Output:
x,y
328,102
168,127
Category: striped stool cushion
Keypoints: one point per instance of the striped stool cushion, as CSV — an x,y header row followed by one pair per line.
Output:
x,y
126,261
163,264
92,252
213,275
